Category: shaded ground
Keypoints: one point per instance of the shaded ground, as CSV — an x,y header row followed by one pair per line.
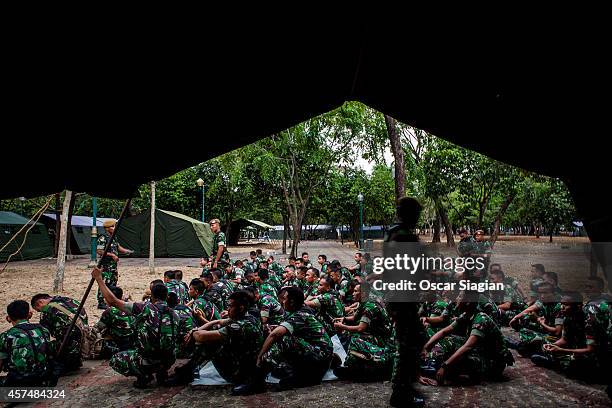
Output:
x,y
96,384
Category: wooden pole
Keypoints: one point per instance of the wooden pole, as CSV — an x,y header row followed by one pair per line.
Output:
x,y
58,224
152,232
58,282
91,281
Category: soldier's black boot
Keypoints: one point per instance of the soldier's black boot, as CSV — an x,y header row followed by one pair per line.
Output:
x,y
142,381
255,385
542,361
183,375
406,396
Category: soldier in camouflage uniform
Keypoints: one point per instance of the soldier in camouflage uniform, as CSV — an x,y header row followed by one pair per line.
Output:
x,y
56,313
466,243
176,286
312,283
540,323
537,278
156,327
219,249
481,249
409,333
322,260
26,350
116,328
327,306
484,353
186,322
289,278
110,261
433,306
270,310
232,344
300,342
261,281
204,309
509,301
371,347
275,267
216,289
598,323
273,278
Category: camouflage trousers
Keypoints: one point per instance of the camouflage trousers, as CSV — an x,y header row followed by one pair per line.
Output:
x,y
507,315
369,352
576,365
111,347
131,363
299,355
473,364
531,341
234,365
409,339
110,277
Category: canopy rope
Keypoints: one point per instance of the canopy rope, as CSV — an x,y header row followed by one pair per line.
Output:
x,y
37,215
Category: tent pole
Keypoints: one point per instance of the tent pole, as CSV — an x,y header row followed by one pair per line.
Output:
x,y
152,232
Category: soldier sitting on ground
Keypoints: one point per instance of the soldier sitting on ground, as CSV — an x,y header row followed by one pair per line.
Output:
x,y
570,353
328,307
509,301
156,327
185,325
537,277
232,345
56,314
312,283
371,347
178,276
299,349
483,355
116,328
540,323
26,350
204,310
175,286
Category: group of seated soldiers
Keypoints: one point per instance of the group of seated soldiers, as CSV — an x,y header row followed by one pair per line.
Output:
x,y
253,317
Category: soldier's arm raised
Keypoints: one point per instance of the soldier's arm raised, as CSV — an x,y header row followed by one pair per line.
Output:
x,y
108,295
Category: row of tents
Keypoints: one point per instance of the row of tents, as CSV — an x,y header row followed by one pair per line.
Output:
x,y
176,235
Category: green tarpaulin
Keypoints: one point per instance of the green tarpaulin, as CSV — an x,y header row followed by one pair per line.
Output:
x,y
176,235
37,244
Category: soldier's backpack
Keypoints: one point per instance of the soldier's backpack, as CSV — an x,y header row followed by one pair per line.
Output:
x,y
160,331
91,339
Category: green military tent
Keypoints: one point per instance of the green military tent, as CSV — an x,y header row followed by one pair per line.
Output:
x,y
176,235
37,244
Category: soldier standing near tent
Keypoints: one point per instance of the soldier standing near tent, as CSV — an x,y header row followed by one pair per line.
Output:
x,y
110,261
219,249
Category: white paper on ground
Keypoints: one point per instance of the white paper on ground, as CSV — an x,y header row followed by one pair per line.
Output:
x,y
210,376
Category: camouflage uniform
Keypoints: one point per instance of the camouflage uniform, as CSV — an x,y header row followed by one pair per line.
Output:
x,y
156,327
270,308
433,309
116,326
219,293
265,288
328,307
209,309
531,333
236,356
109,266
292,282
509,294
219,239
597,325
58,322
489,357
374,348
408,330
311,289
177,287
26,351
533,287
466,246
486,305
186,322
275,281
307,348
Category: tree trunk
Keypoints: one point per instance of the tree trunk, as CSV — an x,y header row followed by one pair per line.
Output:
x,y
297,230
552,229
285,232
58,281
436,229
152,232
450,240
498,218
398,155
